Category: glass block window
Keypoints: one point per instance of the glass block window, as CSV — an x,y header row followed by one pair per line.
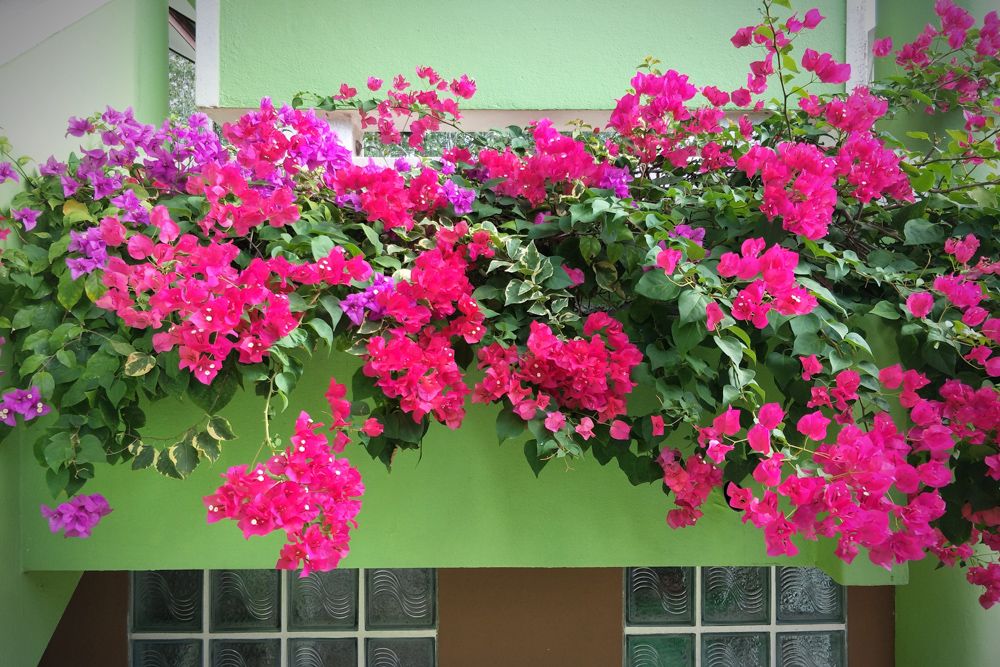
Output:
x,y
267,618
734,617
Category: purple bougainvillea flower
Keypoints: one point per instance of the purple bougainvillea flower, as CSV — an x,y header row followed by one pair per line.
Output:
x,y
77,516
7,172
26,216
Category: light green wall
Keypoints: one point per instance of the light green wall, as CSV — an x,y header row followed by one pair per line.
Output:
x,y
939,621
467,502
115,55
938,618
523,54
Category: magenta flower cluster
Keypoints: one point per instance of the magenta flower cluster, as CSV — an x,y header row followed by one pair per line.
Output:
x,y
77,516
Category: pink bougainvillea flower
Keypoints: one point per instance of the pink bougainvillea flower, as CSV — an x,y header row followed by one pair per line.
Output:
x,y
575,275
554,421
728,423
920,304
713,315
657,423
620,430
585,429
667,260
825,67
891,376
372,427
770,415
812,18
759,439
374,83
882,47
810,366
813,426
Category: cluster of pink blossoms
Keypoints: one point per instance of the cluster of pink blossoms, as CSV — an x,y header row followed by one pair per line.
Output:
x,y
210,306
557,160
420,111
578,374
415,361
772,286
305,491
877,489
78,516
965,291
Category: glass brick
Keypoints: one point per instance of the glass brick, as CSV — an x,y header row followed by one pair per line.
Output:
x,y
660,596
323,600
173,652
735,595
246,653
400,598
167,601
659,650
323,652
815,649
246,600
808,595
400,652
737,649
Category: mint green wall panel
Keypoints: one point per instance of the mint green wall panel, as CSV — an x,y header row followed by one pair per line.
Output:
x,y
523,54
463,502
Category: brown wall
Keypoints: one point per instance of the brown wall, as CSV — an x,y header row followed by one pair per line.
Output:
x,y
94,628
539,617
870,626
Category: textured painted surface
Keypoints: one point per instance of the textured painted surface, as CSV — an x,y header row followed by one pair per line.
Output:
x,y
467,502
109,57
524,54
939,621
938,618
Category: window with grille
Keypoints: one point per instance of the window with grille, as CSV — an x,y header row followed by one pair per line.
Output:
x,y
267,618
733,617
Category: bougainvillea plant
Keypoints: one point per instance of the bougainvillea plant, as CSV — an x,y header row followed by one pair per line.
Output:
x,y
801,293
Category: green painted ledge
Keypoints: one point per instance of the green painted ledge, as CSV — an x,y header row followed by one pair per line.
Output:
x,y
466,502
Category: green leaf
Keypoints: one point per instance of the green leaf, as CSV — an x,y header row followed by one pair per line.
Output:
x,y
589,247
213,397
74,211
692,306
184,456
919,231
144,457
655,285
165,466
321,247
138,364
885,310
535,461
58,450
220,428
508,425
208,446
322,329
400,426
45,383
732,348
93,287
91,450
69,291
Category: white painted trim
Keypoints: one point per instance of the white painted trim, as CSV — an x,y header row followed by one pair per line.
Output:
x,y
25,24
206,91
862,16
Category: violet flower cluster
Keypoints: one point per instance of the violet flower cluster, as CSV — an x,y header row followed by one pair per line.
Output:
x,y
355,305
93,249
460,198
25,402
77,516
